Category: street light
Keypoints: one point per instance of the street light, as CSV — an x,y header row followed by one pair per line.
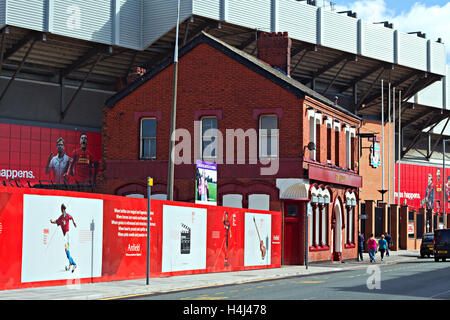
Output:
x,y
311,146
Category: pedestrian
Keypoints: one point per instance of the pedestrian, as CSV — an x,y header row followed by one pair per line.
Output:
x,y
360,246
372,247
382,244
388,239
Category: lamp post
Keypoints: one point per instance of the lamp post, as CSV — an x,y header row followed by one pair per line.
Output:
x,y
170,175
311,146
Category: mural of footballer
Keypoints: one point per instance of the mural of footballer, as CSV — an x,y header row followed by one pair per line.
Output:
x,y
63,222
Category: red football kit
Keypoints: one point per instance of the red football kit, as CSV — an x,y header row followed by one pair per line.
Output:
x,y
83,163
63,221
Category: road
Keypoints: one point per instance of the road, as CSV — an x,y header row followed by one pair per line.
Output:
x,y
411,280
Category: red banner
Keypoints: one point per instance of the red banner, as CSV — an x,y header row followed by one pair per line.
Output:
x,y
30,154
52,237
422,186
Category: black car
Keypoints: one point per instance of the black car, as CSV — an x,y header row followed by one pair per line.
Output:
x,y
426,247
441,244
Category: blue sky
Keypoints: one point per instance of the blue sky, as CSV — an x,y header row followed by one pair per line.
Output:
x,y
431,17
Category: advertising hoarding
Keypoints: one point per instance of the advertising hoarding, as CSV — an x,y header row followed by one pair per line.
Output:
x,y
33,154
109,240
423,186
206,183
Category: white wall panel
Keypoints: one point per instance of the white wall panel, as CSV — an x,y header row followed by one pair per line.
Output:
x,y
377,42
130,29
437,57
208,8
298,19
255,14
432,95
83,19
339,32
412,51
160,16
29,14
447,87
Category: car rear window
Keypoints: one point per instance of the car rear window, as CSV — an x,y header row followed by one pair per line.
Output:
x,y
443,236
428,237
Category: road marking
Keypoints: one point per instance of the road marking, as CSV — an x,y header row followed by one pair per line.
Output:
x,y
211,298
319,281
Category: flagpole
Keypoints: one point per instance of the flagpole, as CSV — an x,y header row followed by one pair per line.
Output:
x,y
170,176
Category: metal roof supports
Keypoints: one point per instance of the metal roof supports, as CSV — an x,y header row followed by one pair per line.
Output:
x,y
66,109
34,38
438,140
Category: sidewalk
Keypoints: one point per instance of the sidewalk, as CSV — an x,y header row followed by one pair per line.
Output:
x,y
105,290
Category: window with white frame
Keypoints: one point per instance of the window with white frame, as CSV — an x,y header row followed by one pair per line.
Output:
x,y
350,206
259,201
209,137
315,121
268,136
318,226
349,148
232,200
148,138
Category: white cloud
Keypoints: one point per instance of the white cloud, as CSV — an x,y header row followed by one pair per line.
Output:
x,y
432,20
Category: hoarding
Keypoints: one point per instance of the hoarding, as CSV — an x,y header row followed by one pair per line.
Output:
x,y
423,186
51,155
206,183
108,236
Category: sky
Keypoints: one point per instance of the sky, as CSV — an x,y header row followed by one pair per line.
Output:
x,y
431,17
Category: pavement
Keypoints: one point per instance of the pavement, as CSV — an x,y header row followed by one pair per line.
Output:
x,y
129,288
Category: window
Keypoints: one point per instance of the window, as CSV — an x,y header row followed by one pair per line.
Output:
x,y
209,137
259,201
336,145
349,223
315,121
349,147
328,144
324,223
268,136
232,200
352,152
312,137
148,138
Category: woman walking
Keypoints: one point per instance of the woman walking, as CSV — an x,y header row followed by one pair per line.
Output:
x,y
372,247
382,246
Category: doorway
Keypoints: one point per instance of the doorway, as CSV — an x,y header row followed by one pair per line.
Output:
x,y
294,240
337,232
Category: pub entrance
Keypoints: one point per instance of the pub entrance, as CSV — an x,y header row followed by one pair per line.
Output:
x,y
294,235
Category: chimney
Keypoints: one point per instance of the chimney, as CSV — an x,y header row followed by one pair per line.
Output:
x,y
135,74
275,49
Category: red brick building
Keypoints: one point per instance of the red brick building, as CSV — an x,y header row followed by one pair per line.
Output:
x,y
223,88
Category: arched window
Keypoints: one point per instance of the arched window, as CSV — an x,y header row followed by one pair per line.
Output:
x,y
350,205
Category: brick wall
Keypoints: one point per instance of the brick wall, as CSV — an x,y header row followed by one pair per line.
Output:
x,y
372,177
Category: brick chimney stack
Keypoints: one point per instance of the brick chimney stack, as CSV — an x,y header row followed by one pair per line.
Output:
x,y
275,49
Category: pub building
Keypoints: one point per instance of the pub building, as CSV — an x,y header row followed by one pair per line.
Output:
x,y
313,142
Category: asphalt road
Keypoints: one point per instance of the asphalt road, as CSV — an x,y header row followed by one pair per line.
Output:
x,y
420,279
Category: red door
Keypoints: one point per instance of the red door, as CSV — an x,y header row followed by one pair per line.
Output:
x,y
293,242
